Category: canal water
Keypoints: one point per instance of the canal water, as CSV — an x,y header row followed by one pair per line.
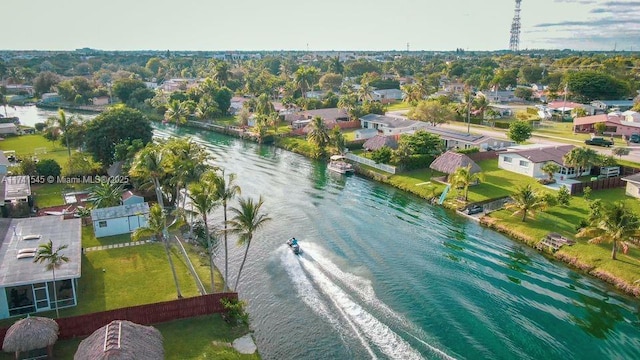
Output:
x,y
30,115
384,274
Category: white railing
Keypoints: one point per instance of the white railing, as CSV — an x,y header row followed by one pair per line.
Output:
x,y
359,159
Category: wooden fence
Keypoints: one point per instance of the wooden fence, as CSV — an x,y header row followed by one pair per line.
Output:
x,y
600,184
150,314
483,155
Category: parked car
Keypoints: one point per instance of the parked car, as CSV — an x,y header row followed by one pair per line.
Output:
x,y
634,138
475,209
598,141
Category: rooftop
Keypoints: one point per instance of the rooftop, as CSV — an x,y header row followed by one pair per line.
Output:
x,y
455,135
119,211
15,234
538,154
390,121
16,187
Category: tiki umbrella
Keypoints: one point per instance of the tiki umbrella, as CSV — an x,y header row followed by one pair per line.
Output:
x,y
120,340
31,333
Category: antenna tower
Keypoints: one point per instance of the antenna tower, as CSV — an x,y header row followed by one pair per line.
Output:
x,y
514,42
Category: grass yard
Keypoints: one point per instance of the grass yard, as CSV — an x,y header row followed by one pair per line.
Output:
x,y
200,262
418,182
401,105
47,195
24,147
204,337
89,239
226,120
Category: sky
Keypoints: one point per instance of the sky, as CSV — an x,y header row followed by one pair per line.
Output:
x,y
212,25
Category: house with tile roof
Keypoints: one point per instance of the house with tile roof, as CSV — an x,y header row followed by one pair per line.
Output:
x,y
529,160
617,124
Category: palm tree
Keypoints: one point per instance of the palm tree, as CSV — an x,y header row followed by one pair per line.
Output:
x,y
106,194
247,220
550,168
337,139
186,161
157,226
365,90
481,103
176,113
149,163
616,223
462,178
581,157
225,191
53,260
204,199
526,201
305,77
318,135
274,120
260,128
62,123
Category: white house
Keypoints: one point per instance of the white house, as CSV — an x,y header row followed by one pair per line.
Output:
x,y
27,287
387,95
15,189
363,134
606,105
388,125
529,160
118,220
461,140
633,185
8,128
100,100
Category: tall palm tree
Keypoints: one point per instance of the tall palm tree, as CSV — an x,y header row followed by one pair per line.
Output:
x,y
62,123
319,134
106,194
186,161
53,259
204,199
616,223
149,164
526,201
337,139
306,77
463,178
176,113
157,226
247,220
481,103
274,120
226,190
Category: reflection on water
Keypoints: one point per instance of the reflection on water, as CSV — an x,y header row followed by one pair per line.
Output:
x,y
600,316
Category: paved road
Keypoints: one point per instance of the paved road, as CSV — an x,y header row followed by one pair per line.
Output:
x,y
634,155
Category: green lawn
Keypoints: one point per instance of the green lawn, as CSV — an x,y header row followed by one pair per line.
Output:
x,y
401,105
226,120
204,337
24,147
90,240
418,182
47,195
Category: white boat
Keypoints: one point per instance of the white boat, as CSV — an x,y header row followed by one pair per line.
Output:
x,y
339,165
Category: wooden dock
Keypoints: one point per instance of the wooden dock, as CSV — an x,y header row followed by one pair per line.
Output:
x,y
554,241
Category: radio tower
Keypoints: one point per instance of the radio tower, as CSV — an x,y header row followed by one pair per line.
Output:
x,y
514,43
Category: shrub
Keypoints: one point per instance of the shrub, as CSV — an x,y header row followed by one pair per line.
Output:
x,y
235,311
40,126
472,150
48,167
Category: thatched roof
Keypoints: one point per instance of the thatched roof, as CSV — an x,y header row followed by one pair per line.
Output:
x,y
122,339
379,141
30,334
448,163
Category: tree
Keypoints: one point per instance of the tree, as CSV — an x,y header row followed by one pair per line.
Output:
x,y
53,259
330,82
620,151
550,168
337,139
157,226
564,196
592,85
579,112
44,82
318,135
600,127
176,113
204,199
115,125
462,177
581,157
106,194
226,190
125,88
62,124
481,103
519,131
382,155
526,201
248,219
615,223
48,167
431,111
149,164
523,93
305,77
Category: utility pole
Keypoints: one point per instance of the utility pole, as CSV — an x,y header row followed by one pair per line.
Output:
x,y
468,112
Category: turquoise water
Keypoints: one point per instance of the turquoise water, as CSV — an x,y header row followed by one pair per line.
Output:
x,y
386,275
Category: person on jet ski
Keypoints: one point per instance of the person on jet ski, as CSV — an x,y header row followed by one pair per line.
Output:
x,y
294,241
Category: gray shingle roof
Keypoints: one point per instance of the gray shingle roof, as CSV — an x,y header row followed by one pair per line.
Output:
x,y
635,178
390,121
119,211
544,154
455,135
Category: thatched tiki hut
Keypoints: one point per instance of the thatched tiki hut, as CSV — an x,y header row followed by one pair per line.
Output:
x,y
450,161
32,333
120,340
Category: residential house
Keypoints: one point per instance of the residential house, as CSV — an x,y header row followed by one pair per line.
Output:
x,y
120,219
388,125
27,287
100,100
19,89
49,98
529,159
616,124
362,134
461,140
386,96
499,96
330,116
380,141
633,185
128,198
608,105
453,87
318,95
566,107
8,128
15,189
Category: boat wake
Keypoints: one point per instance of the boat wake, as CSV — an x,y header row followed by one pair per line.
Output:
x,y
338,297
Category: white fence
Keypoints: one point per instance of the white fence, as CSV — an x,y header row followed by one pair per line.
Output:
x,y
359,159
